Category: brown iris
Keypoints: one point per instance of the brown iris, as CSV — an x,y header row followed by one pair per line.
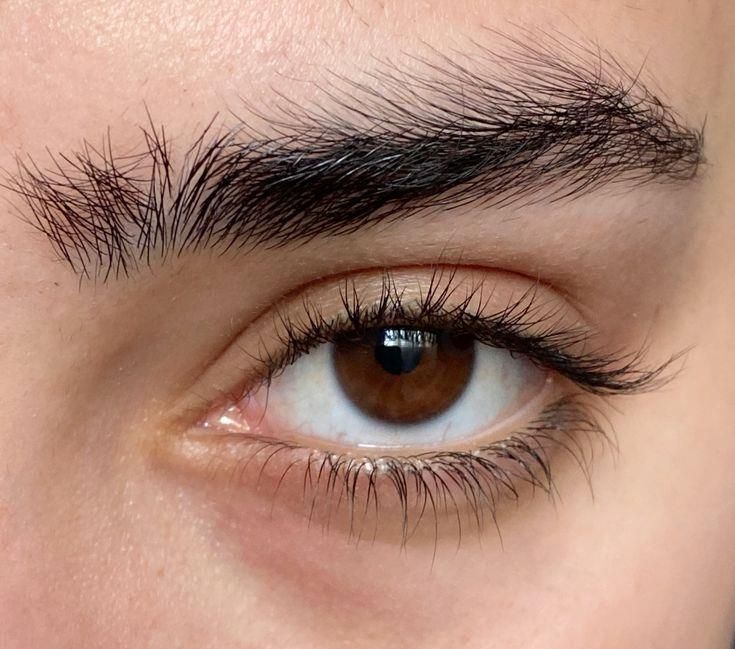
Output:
x,y
404,375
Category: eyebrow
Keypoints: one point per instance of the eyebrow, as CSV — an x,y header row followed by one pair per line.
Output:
x,y
541,122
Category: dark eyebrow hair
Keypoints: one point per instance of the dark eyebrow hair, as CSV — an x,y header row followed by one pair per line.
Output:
x,y
547,121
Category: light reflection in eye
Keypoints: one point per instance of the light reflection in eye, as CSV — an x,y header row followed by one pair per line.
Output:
x,y
393,388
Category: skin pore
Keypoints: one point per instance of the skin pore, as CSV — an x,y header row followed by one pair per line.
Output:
x,y
117,531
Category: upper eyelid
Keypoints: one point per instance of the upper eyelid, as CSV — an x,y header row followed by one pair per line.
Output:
x,y
522,327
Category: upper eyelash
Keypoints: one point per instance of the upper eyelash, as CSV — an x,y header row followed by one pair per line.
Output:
x,y
522,327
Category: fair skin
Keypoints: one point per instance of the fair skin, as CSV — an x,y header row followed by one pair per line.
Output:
x,y
115,533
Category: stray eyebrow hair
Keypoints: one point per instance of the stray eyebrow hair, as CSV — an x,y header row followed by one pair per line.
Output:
x,y
547,121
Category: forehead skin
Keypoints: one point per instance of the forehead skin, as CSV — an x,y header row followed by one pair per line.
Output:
x,y
69,70
186,61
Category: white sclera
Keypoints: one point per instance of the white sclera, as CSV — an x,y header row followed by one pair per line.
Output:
x,y
308,399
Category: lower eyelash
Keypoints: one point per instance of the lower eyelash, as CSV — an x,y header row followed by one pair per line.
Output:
x,y
429,489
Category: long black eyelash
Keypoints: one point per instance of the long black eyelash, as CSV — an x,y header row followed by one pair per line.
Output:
x,y
464,489
524,327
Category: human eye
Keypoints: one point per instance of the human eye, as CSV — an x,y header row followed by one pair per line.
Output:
x,y
391,402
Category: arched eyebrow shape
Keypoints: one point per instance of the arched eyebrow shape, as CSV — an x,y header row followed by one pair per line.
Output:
x,y
526,122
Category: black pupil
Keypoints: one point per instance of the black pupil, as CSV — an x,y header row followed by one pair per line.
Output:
x,y
404,375
399,351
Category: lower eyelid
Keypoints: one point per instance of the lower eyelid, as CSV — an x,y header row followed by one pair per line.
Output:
x,y
393,497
